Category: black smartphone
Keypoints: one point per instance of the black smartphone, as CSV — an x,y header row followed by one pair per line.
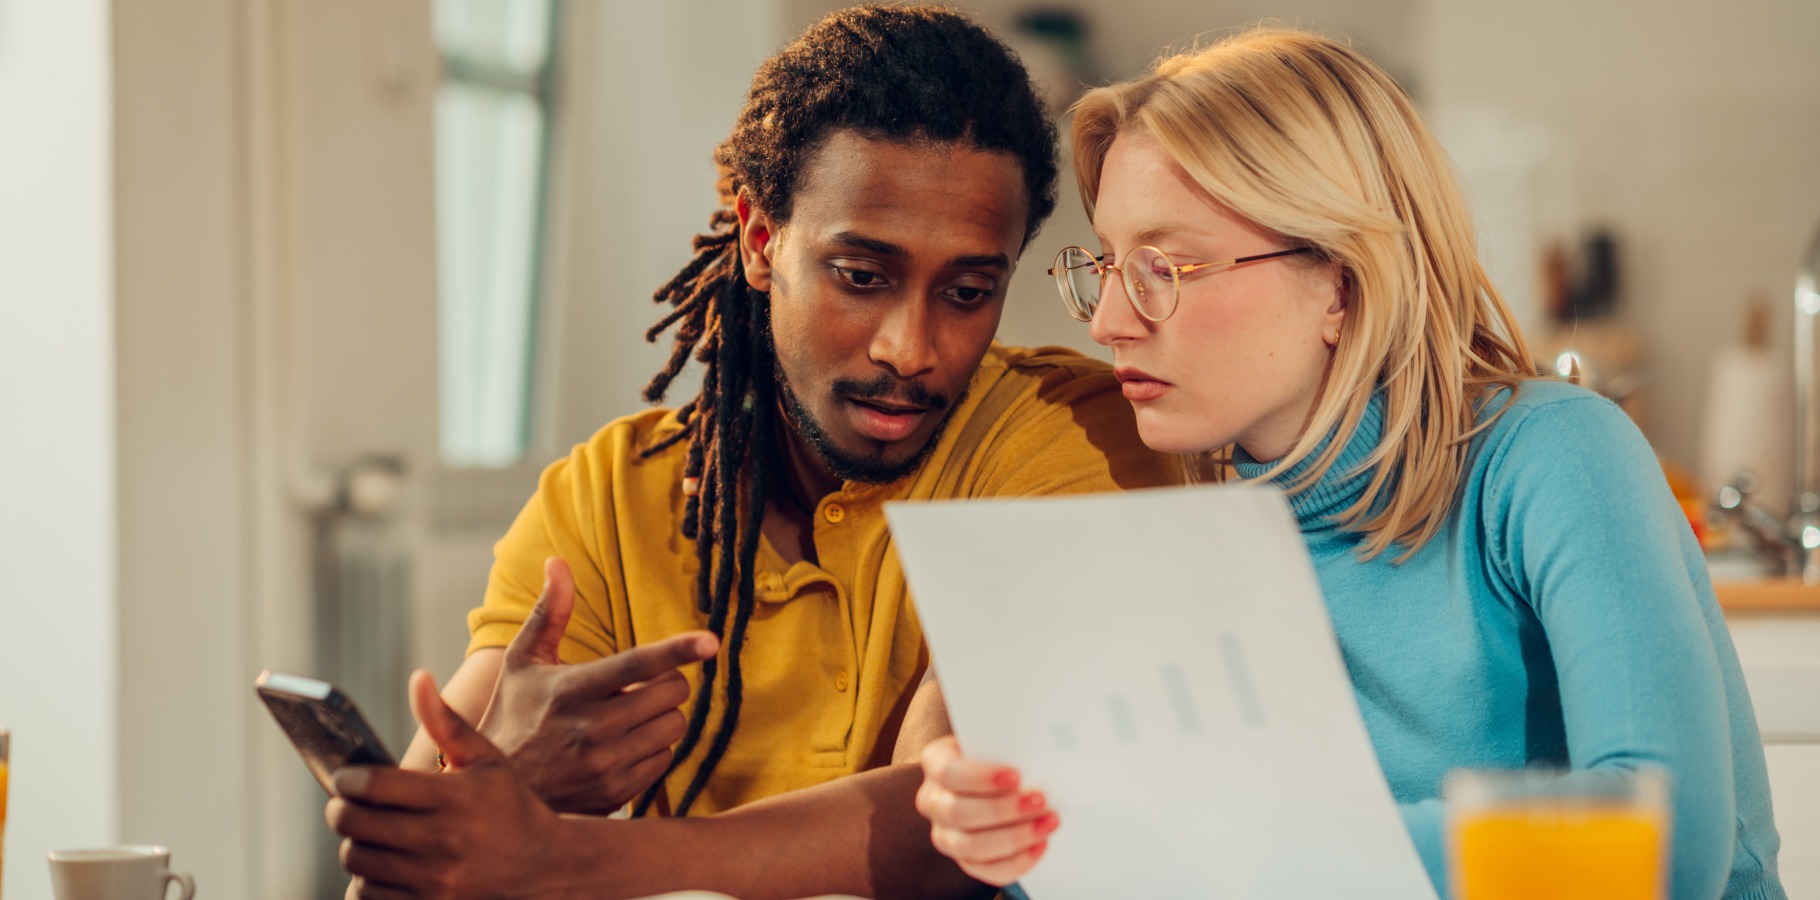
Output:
x,y
325,726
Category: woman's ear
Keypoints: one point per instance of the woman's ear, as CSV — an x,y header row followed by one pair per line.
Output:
x,y
1333,321
755,240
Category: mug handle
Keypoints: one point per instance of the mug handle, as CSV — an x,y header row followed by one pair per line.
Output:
x,y
184,880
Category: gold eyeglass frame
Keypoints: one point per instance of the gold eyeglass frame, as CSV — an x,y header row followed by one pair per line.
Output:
x,y
1083,312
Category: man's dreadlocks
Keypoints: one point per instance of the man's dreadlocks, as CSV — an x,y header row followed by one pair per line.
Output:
x,y
911,73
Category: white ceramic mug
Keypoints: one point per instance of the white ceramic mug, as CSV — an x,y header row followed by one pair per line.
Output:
x,y
116,873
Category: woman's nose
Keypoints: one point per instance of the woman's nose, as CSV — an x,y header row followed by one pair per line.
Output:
x,y
1115,318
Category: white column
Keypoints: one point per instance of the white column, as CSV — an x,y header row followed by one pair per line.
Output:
x,y
58,677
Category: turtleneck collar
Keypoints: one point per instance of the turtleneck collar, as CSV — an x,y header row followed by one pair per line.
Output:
x,y
1344,483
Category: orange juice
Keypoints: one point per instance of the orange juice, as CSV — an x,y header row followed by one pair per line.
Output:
x,y
2,818
1545,853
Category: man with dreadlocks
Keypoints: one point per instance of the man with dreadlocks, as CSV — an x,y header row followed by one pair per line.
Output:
x,y
887,171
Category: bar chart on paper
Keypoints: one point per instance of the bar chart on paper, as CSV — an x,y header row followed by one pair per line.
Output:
x,y
1116,718
1174,689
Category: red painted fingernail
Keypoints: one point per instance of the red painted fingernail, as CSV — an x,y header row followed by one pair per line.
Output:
x,y
1037,850
1047,822
1032,802
1005,779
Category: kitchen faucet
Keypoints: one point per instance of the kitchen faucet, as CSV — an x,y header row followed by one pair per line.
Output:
x,y
1796,540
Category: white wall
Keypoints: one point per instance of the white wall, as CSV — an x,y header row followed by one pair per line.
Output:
x,y
650,90
126,375
186,702
58,689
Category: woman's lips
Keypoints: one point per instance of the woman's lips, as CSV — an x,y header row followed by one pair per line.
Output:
x,y
885,423
1140,386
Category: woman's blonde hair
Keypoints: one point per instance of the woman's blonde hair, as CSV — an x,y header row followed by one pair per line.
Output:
x,y
1307,138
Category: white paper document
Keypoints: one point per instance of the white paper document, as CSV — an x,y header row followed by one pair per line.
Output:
x,y
1162,666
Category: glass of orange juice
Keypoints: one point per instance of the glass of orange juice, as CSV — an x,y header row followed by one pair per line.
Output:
x,y
6,747
1552,835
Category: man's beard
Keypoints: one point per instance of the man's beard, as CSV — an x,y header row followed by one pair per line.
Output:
x,y
868,469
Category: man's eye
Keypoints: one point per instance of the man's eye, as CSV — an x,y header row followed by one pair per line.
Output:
x,y
971,295
860,278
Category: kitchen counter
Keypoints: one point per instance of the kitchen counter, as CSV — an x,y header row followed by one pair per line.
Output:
x,y
1775,626
1767,596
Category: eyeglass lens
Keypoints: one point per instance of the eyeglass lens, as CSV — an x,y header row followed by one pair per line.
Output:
x,y
1149,278
1077,273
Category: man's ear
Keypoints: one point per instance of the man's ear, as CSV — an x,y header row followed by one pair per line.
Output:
x,y
756,232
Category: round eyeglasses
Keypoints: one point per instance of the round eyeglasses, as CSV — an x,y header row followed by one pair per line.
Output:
x,y
1153,281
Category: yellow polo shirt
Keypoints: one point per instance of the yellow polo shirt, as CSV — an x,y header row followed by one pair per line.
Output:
x,y
834,651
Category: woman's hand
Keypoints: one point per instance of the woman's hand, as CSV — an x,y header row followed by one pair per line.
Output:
x,y
980,816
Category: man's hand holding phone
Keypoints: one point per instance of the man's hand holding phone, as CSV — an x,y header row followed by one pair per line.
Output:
x,y
478,831
588,737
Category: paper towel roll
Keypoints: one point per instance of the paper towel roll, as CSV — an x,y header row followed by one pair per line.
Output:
x,y
1749,425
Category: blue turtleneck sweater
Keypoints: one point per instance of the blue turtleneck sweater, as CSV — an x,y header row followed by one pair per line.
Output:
x,y
1561,617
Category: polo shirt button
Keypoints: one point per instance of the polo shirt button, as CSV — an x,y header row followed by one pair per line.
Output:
x,y
834,513
840,681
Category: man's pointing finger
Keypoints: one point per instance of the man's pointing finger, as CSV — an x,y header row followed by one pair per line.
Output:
x,y
642,663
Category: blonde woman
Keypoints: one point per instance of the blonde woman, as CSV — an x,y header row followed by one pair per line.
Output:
x,y
1286,276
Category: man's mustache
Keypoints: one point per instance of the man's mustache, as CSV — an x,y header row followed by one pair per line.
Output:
x,y
885,387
